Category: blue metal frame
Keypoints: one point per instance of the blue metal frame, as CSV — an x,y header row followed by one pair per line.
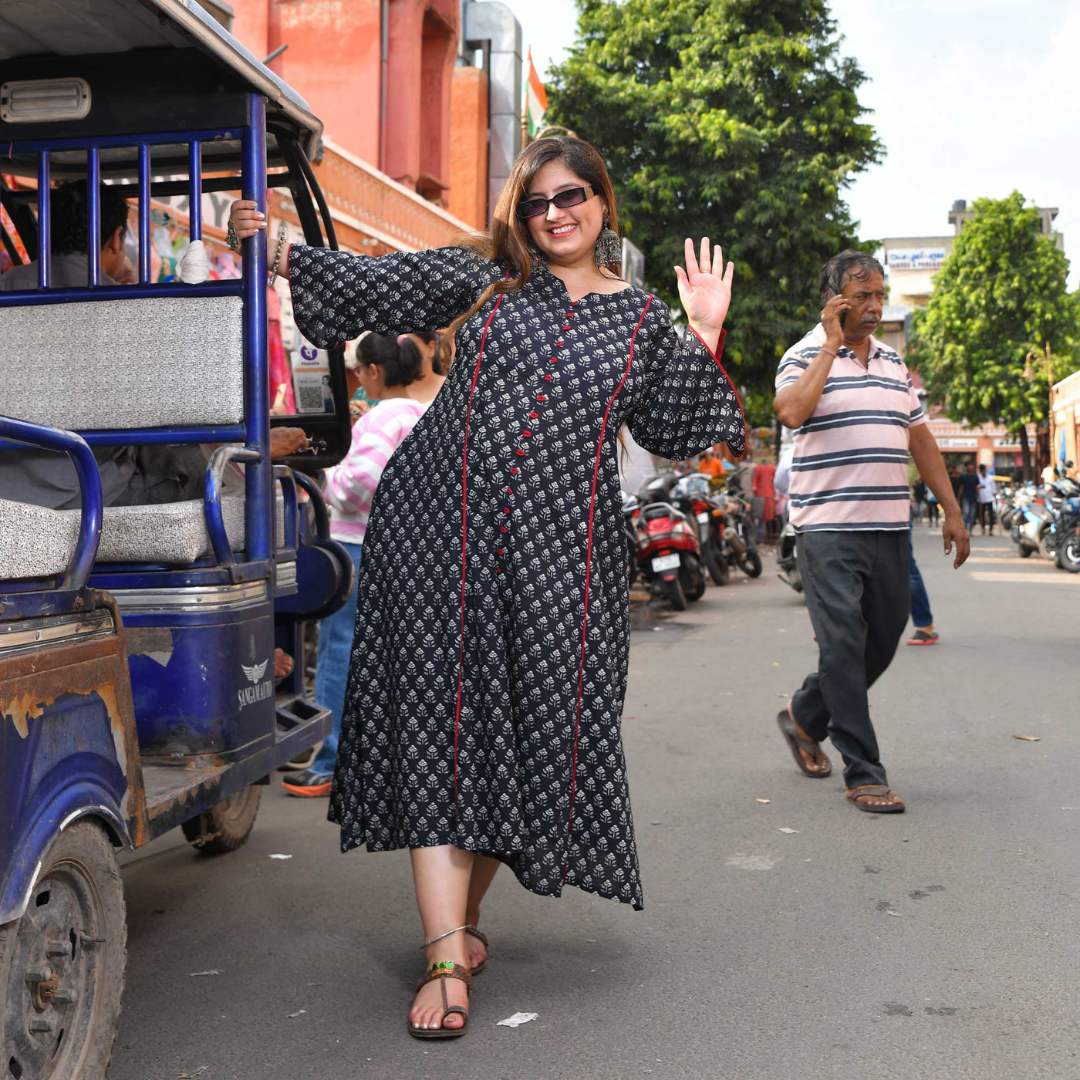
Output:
x,y
183,702
259,538
82,561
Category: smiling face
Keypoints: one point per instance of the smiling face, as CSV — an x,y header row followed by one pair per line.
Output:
x,y
867,297
566,237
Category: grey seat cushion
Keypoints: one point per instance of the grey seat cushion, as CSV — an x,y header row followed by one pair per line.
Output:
x,y
38,542
146,362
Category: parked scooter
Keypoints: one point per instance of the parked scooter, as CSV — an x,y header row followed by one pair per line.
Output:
x,y
786,561
668,551
740,545
1068,535
692,495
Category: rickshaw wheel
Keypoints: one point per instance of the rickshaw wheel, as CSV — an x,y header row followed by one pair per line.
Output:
x,y
62,963
226,825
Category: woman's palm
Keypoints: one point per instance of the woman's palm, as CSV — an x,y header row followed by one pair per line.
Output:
x,y
705,285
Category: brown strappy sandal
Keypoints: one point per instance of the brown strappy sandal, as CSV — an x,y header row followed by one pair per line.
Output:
x,y
785,719
864,792
445,969
482,938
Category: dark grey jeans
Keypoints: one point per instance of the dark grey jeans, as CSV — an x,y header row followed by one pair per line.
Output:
x,y
858,590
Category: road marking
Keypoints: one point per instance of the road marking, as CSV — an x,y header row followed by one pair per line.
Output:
x,y
1048,578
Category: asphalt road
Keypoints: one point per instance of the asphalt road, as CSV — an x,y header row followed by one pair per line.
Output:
x,y
793,939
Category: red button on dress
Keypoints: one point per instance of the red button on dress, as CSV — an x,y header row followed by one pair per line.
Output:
x,y
559,343
514,470
520,452
541,398
526,434
549,378
534,415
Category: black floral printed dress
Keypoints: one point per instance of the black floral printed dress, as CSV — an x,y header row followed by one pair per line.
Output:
x,y
489,665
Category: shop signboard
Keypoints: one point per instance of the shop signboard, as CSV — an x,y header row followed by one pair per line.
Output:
x,y
924,258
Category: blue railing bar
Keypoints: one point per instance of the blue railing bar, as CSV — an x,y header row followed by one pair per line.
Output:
x,y
93,214
318,504
82,561
215,522
234,433
187,433
195,190
106,142
292,514
44,220
27,297
258,507
144,214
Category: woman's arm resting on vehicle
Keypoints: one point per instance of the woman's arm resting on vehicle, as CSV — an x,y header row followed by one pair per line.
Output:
x,y
246,220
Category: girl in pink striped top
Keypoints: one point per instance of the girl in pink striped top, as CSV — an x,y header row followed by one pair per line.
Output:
x,y
390,373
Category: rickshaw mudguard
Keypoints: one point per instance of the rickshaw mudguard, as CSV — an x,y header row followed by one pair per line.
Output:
x,y
69,748
324,574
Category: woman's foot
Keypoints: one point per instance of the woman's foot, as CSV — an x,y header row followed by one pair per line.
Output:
x,y
476,945
429,1008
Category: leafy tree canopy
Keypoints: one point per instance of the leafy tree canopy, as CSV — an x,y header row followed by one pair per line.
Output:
x,y
999,296
735,119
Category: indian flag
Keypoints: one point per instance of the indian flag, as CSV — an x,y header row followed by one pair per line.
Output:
x,y
535,101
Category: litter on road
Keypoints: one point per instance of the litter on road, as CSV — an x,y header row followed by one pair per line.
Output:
x,y
517,1020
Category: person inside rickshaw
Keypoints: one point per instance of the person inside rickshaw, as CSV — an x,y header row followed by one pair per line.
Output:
x,y
130,475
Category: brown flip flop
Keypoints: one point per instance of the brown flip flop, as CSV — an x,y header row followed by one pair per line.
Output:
x,y
441,972
875,791
796,742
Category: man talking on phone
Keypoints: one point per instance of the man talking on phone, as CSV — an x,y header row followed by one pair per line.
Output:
x,y
856,418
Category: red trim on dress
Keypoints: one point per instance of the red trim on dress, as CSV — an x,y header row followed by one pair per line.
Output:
x,y
734,389
588,579
465,537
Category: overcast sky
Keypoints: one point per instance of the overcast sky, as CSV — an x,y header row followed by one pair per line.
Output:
x,y
970,98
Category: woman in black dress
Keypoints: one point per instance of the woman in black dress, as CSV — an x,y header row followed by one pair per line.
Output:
x,y
482,718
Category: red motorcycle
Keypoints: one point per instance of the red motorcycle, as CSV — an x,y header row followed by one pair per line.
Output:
x,y
669,555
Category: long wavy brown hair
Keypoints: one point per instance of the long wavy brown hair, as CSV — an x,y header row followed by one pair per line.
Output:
x,y
508,241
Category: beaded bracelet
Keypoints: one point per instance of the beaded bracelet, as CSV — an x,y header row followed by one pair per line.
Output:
x,y
282,236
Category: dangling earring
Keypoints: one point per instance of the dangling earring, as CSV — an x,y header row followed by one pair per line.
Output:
x,y
608,248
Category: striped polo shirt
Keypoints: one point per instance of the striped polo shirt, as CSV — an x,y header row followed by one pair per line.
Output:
x,y
849,471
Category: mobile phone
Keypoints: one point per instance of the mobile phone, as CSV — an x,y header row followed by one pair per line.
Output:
x,y
843,318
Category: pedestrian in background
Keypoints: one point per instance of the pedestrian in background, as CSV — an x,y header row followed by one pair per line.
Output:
x,y
389,376
933,511
918,497
857,416
987,495
433,363
922,618
969,495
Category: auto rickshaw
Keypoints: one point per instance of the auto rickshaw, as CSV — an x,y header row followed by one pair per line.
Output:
x,y
137,688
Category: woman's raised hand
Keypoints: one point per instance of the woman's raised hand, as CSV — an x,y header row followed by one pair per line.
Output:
x,y
705,287
245,218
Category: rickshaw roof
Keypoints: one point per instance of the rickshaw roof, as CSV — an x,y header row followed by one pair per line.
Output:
x,y
56,27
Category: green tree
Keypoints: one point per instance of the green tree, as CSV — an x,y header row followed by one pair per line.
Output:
x,y
735,119
999,297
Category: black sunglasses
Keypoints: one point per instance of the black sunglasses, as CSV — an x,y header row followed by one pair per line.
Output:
x,y
537,205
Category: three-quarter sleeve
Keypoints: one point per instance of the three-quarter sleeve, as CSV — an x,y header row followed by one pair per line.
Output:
x,y
688,403
337,295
